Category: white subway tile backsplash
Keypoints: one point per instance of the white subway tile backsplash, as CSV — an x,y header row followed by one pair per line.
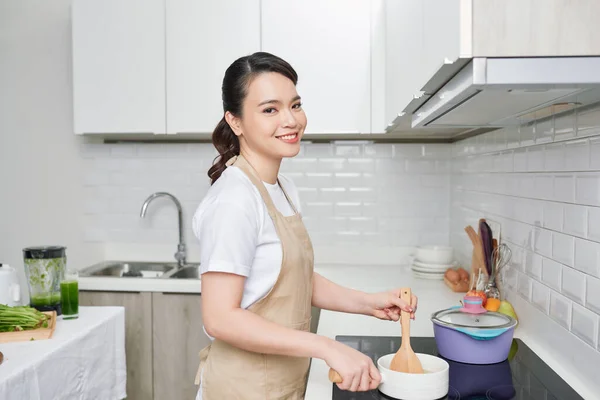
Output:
x,y
535,159
533,265
573,284
543,187
588,189
577,155
544,131
326,164
381,150
592,292
575,220
540,296
585,325
593,223
555,157
524,286
551,273
562,248
564,188
319,150
560,309
360,165
587,257
542,241
527,132
348,209
595,153
348,150
319,180
520,160
553,216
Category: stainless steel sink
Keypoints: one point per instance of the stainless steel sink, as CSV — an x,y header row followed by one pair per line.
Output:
x,y
190,272
129,269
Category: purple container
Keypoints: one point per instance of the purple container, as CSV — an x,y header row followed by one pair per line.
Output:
x,y
473,338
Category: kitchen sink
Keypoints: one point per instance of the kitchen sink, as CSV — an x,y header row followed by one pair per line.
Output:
x,y
190,272
132,269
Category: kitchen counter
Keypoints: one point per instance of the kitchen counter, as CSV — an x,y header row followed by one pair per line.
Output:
x,y
84,359
171,285
433,296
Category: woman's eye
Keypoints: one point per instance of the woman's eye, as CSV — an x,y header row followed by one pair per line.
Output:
x,y
270,110
297,106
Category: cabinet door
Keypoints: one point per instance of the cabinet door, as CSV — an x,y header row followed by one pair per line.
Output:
x,y
203,38
404,55
328,43
178,338
118,66
138,339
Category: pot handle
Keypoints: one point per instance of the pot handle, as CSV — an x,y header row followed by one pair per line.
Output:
x,y
334,377
383,378
483,334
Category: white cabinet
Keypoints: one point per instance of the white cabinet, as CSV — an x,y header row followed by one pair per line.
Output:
x,y
118,66
203,37
328,43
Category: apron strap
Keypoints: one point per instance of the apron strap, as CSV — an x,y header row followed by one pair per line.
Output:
x,y
240,162
289,200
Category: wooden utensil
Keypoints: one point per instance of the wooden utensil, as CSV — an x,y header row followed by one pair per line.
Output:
x,y
478,259
405,359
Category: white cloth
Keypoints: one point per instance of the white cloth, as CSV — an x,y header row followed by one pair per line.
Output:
x,y
84,359
237,235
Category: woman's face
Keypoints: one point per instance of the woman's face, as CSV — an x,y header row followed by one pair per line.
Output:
x,y
273,120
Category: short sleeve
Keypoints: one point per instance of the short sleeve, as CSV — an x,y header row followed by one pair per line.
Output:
x,y
228,236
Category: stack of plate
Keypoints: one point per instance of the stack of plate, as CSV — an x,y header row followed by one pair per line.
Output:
x,y
432,262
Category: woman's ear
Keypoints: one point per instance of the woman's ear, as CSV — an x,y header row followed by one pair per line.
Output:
x,y
234,123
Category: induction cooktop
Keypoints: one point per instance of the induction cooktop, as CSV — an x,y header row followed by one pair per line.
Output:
x,y
523,376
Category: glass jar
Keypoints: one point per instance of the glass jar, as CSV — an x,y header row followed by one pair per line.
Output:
x,y
45,269
69,294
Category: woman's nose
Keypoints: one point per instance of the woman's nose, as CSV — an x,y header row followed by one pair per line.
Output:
x,y
288,119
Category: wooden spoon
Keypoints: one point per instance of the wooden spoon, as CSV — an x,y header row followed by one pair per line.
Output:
x,y
405,359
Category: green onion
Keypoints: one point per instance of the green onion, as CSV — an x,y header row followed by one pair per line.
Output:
x,y
21,318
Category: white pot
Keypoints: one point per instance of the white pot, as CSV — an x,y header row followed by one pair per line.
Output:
x,y
435,254
10,291
433,384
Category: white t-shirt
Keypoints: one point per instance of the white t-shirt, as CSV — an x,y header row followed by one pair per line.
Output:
x,y
236,233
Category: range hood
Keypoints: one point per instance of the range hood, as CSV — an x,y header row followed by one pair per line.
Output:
x,y
499,92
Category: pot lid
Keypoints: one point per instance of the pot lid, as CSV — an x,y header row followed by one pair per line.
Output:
x,y
454,318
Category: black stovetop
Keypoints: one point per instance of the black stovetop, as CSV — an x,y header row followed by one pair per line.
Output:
x,y
524,376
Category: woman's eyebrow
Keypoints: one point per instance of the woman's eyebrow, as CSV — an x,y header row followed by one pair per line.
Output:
x,y
262,103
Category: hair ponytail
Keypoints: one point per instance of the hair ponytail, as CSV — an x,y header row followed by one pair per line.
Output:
x,y
227,144
234,89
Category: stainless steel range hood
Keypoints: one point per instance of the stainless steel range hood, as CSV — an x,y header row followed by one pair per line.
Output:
x,y
497,92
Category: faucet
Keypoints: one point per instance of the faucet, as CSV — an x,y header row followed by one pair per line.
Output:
x,y
180,256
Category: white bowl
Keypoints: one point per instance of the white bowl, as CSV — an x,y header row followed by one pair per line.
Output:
x,y
435,254
433,384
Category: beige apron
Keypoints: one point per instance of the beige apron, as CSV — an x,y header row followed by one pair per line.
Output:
x,y
232,373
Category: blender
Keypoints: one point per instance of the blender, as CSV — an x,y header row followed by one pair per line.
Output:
x,y
45,269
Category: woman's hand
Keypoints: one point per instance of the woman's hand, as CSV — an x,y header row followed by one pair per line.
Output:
x,y
387,305
357,370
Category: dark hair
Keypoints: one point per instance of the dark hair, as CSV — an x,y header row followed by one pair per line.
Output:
x,y
236,81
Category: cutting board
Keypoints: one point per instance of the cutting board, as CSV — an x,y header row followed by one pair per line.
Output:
x,y
33,334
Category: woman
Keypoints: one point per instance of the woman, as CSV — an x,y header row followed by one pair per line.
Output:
x,y
258,283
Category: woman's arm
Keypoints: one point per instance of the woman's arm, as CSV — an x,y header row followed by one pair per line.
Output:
x,y
385,305
331,296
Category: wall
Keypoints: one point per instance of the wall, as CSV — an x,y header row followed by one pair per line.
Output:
x,y
40,165
541,181
385,196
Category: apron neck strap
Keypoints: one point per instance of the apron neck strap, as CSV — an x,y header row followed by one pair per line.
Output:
x,y
244,165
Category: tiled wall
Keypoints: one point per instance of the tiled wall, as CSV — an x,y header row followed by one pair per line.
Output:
x,y
351,192
542,183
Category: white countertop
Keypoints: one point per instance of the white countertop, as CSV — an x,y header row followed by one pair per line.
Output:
x,y
173,285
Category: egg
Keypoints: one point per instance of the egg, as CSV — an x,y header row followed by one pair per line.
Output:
x,y
452,275
464,275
